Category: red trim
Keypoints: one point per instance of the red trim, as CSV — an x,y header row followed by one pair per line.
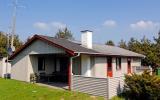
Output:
x,y
109,64
69,76
35,37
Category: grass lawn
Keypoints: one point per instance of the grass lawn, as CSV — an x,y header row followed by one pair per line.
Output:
x,y
16,90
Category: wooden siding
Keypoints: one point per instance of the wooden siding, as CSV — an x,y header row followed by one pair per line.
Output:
x,y
90,85
115,86
106,87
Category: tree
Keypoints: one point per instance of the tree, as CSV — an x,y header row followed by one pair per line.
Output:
x,y
156,47
142,87
122,44
134,45
64,33
110,42
3,43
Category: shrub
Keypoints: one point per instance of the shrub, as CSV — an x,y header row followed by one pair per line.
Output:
x,y
33,78
142,87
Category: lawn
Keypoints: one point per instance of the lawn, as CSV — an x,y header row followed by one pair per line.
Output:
x,y
16,90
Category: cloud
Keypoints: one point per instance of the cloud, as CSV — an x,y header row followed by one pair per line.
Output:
x,y
110,23
41,25
144,25
49,26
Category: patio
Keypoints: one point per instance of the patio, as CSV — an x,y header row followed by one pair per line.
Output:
x,y
55,85
50,69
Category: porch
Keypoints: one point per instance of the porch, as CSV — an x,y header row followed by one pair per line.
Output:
x,y
50,69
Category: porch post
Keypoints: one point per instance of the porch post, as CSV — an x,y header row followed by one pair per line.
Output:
x,y
70,74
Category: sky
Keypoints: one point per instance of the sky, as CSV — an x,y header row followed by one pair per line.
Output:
x,y
108,19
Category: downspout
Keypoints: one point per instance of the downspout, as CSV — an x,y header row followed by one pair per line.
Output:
x,y
70,70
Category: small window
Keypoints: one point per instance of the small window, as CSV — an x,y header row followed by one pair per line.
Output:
x,y
41,64
118,63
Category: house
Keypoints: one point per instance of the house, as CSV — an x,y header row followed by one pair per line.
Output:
x,y
5,67
91,68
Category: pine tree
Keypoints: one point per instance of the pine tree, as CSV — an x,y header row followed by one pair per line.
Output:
x,y
110,42
64,33
122,44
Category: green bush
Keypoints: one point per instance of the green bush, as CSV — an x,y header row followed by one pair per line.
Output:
x,y
33,77
142,87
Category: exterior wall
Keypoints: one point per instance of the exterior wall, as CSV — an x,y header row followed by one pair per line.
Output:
x,y
135,62
93,66
33,64
115,86
100,68
40,47
106,87
122,71
85,62
3,68
76,66
90,85
21,64
19,69
124,67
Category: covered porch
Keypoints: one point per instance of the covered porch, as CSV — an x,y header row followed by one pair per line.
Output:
x,y
50,69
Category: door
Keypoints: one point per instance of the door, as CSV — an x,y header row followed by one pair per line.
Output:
x,y
129,65
64,62
109,67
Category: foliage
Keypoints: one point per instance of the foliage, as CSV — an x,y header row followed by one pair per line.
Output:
x,y
3,43
151,49
117,98
110,42
122,44
142,87
16,90
64,33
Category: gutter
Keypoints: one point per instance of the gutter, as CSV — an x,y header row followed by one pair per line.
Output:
x,y
70,71
72,60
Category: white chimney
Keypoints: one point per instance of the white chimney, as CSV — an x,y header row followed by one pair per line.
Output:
x,y
86,38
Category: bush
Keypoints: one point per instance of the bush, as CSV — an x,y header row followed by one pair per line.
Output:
x,y
142,87
33,78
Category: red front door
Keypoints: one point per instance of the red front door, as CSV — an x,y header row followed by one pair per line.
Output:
x,y
109,67
129,65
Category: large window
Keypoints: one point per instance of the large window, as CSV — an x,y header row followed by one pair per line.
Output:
x,y
41,64
118,63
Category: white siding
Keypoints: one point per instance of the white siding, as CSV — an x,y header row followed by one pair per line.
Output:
x,y
85,62
40,47
115,86
3,68
19,69
100,67
22,64
123,70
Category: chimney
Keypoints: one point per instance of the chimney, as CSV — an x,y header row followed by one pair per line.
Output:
x,y
86,38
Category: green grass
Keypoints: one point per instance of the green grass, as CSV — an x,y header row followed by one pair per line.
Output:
x,y
117,98
16,90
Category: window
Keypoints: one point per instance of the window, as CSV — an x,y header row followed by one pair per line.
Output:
x,y
118,63
41,64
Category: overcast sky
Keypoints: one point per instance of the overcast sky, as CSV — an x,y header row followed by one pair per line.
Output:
x,y
108,19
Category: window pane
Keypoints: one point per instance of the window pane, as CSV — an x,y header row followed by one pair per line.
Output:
x,y
118,63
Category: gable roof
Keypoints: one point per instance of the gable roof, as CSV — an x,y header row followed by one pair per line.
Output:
x,y
73,47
